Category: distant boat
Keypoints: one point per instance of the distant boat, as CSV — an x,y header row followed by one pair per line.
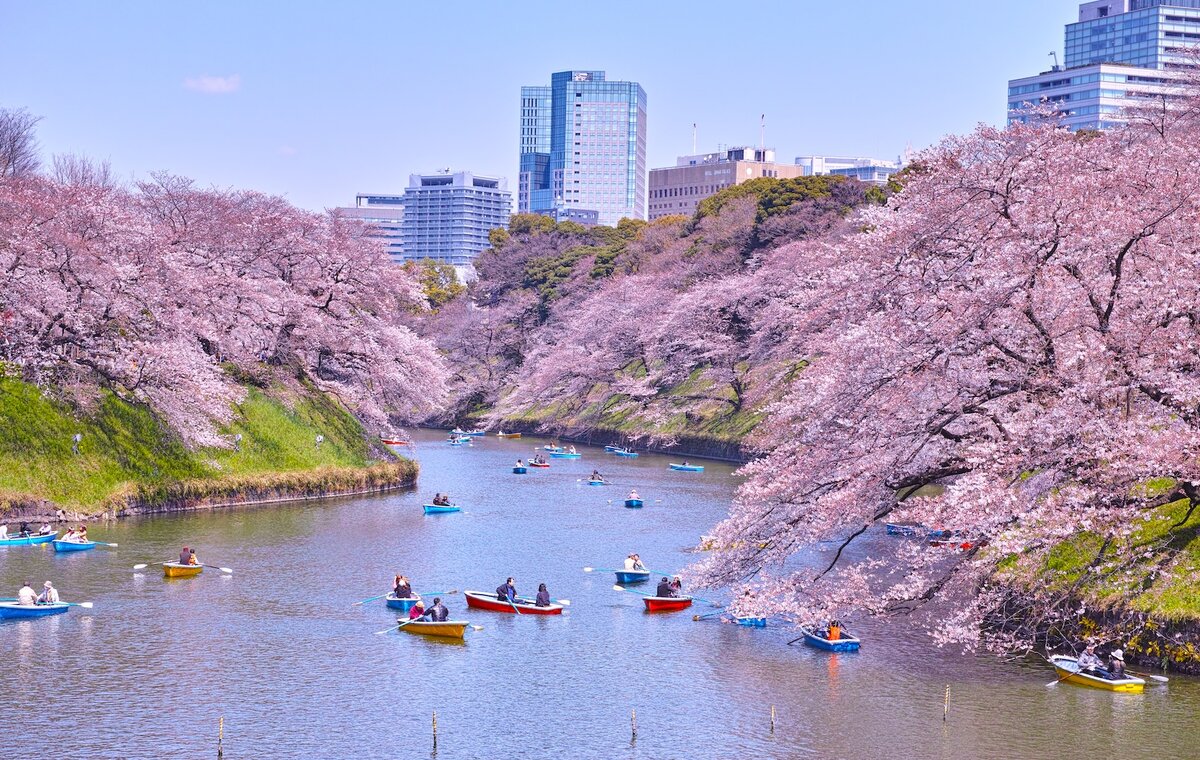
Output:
x,y
508,435
666,603
485,601
596,483
518,471
625,453
634,503
440,509
905,529
632,576
752,622
392,440
687,467
461,440
29,540
472,433
1068,669
178,570
844,643
12,610
73,546
539,464
552,449
565,455
447,629
401,603
612,449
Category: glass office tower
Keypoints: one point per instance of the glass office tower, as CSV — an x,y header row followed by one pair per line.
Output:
x,y
583,149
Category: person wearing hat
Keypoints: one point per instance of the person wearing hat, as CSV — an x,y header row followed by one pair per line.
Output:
x,y
1116,665
50,594
1089,660
417,611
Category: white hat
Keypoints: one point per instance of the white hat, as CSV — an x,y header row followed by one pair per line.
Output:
x,y
48,584
1118,655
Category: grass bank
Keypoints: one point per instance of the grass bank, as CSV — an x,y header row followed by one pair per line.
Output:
x,y
126,455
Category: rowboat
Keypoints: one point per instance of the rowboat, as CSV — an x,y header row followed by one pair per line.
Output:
x,y
632,576
462,440
177,570
1068,670
553,449
844,643
401,603
611,449
449,629
955,543
485,601
564,455
440,509
519,471
752,622
393,441
72,546
596,483
471,433
508,435
539,464
624,453
687,467
666,603
905,529
14,611
30,540
633,503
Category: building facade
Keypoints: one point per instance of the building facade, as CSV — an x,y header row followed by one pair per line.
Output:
x,y
1119,54
679,189
872,170
384,215
447,217
583,149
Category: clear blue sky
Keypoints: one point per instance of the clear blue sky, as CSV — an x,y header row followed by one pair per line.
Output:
x,y
318,101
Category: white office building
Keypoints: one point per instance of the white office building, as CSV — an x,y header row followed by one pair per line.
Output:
x,y
873,170
447,217
384,214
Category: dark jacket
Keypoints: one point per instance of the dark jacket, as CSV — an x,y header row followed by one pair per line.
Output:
x,y
402,591
664,590
438,613
543,599
505,592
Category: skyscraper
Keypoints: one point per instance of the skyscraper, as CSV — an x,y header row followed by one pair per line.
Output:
x,y
1118,54
447,217
583,149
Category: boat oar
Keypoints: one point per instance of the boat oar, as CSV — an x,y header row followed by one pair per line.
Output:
x,y
1151,676
602,570
364,601
144,565
396,627
228,570
436,593
85,605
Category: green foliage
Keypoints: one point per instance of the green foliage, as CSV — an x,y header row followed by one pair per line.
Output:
x,y
498,237
438,281
125,447
774,195
530,224
570,228
546,273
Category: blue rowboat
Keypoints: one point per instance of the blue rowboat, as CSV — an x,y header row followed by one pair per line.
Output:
x,y
439,509
844,643
626,453
14,611
471,433
634,503
553,449
596,483
401,603
687,467
519,471
632,576
564,455
73,546
752,622
612,449
30,540
905,529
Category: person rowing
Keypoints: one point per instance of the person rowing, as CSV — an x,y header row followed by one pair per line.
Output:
x,y
1089,661
3,531
520,463
572,450
507,592
633,495
597,477
441,500
401,588
417,611
27,597
665,590
185,556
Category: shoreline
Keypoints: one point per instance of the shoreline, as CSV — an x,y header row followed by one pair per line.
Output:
x,y
697,447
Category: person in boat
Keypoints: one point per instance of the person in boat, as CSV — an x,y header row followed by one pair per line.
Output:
x,y
3,530
834,631
24,529
633,495
637,562
191,560
665,590
507,592
1116,665
677,585
184,555
416,611
437,613
441,500
686,464
520,463
631,562
401,588
49,594
543,596
597,476
1089,661
81,533
572,450
27,596
44,529
69,535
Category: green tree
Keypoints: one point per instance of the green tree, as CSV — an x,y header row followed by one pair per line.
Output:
x,y
438,281
530,224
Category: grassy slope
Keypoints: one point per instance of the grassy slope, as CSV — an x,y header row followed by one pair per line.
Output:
x,y
125,448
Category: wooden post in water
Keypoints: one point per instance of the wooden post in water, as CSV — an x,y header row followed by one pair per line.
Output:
x,y
772,718
633,725
220,737
435,731
946,704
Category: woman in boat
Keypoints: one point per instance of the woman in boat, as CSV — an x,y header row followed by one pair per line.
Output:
x,y
543,596
401,588
49,594
507,592
1116,665
637,562
633,495
416,611
834,632
192,558
677,585
665,590
631,562
81,533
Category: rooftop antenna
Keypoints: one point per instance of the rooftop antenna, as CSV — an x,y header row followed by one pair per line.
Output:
x,y
1054,55
693,138
762,132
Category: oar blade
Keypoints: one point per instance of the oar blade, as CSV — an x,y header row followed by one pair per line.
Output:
x,y
619,588
140,567
564,602
86,605
227,570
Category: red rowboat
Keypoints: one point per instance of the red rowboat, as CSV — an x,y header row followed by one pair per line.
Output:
x,y
666,603
393,441
486,601
539,464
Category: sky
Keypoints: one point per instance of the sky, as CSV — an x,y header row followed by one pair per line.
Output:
x,y
319,101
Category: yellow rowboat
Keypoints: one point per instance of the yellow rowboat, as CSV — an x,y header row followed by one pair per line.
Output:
x,y
1068,670
509,435
449,629
176,570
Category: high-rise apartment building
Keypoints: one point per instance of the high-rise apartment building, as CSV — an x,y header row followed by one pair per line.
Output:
x,y
583,149
383,213
447,217
679,189
1119,54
